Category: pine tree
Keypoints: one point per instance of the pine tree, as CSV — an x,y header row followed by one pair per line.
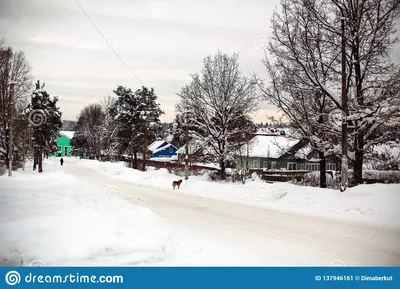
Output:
x,y
125,113
45,118
149,117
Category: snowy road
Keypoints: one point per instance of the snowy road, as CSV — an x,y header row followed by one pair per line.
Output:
x,y
257,236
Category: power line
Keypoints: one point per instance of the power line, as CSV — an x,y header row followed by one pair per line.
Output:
x,y
101,34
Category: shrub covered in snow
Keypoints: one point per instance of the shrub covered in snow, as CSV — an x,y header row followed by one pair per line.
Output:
x,y
312,179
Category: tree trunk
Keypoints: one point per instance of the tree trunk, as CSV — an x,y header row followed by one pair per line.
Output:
x,y
35,159
359,155
223,170
23,151
135,162
322,170
40,161
359,135
132,164
144,148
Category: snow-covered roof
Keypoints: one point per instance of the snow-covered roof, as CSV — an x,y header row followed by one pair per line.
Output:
x,y
161,148
155,145
68,134
304,152
268,146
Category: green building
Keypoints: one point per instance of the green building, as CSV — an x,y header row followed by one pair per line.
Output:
x,y
64,144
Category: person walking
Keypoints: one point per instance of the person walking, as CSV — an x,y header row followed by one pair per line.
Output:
x,y
61,161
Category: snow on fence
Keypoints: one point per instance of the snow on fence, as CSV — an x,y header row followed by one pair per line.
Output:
x,y
312,178
172,167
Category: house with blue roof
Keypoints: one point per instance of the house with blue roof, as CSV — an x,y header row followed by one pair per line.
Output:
x,y
162,149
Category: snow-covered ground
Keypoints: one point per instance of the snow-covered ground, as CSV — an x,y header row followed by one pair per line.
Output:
x,y
53,218
86,213
56,219
377,204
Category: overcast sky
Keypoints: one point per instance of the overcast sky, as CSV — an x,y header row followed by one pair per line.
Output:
x,y
162,42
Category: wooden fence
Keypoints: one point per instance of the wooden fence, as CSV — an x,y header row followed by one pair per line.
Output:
x,y
174,167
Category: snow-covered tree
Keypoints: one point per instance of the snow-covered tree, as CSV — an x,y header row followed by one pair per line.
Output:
x,y
110,144
306,44
138,117
14,68
45,118
89,131
149,117
307,108
125,113
222,101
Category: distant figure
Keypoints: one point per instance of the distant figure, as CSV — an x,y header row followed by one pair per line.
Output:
x,y
61,161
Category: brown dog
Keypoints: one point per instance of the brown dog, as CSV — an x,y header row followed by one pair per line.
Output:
x,y
176,184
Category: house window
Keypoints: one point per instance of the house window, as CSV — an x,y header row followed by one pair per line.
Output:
x,y
65,151
291,166
273,165
255,164
301,167
171,150
312,167
265,164
330,167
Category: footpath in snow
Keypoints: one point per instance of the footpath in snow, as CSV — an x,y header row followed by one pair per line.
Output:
x,y
377,204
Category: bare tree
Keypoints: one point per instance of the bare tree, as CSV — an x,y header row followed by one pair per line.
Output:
x,y
370,27
110,139
305,44
219,97
300,46
14,68
89,131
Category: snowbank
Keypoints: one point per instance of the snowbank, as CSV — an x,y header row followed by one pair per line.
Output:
x,y
53,218
375,204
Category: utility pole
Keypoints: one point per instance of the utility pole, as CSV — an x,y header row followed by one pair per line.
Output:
x,y
186,147
23,151
10,130
345,162
144,146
